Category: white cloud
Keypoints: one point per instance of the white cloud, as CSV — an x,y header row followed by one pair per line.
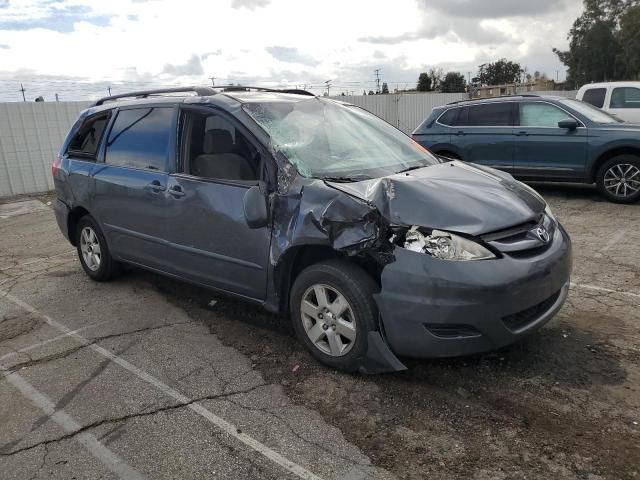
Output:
x,y
270,42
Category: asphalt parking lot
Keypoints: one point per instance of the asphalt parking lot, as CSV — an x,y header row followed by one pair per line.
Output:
x,y
145,377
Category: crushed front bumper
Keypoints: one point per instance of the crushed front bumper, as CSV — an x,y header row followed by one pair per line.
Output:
x,y
436,308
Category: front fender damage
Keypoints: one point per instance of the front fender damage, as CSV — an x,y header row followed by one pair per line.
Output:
x,y
313,213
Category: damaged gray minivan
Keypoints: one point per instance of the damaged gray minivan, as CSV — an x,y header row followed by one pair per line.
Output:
x,y
317,210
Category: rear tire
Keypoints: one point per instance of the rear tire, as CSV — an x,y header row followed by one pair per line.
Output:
x,y
93,251
333,311
618,179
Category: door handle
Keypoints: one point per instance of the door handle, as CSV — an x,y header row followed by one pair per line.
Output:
x,y
522,134
460,132
155,187
176,191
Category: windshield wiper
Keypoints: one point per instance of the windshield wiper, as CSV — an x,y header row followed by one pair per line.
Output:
x,y
416,167
347,179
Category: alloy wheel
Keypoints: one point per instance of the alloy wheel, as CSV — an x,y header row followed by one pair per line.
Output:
x,y
328,320
622,180
90,248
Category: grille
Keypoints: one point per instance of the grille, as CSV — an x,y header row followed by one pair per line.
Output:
x,y
520,320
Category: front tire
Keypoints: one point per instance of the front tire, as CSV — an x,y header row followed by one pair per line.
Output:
x,y
93,251
333,311
618,179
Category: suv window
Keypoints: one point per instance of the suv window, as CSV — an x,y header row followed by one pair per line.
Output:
x,y
488,115
625,97
449,117
86,141
541,115
595,96
140,138
214,148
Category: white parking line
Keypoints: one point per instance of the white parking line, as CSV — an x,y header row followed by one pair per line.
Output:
x,y
221,423
50,340
87,440
602,289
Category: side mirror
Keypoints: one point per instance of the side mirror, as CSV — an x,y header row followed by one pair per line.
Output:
x,y
568,123
255,207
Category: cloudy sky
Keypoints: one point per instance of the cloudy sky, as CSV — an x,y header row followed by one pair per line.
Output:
x,y
78,48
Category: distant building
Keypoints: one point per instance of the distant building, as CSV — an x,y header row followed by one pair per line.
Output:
x,y
540,85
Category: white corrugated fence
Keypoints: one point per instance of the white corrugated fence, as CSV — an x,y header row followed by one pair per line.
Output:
x,y
30,137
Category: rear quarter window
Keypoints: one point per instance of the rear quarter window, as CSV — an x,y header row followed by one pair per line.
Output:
x,y
87,139
595,96
449,117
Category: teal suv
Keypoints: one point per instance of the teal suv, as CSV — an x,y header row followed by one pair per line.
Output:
x,y
540,138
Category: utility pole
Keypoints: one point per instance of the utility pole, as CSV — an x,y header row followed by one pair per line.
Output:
x,y
377,72
213,81
24,99
557,75
109,90
469,74
328,83
57,98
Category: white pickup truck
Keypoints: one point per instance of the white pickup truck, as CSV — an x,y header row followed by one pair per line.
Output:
x,y
621,99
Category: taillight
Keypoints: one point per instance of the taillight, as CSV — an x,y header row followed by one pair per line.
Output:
x,y
55,166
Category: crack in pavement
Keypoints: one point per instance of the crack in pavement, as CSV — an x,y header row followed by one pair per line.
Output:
x,y
56,356
124,418
290,428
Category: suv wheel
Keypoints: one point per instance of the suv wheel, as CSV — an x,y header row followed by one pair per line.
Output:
x,y
619,179
333,311
93,251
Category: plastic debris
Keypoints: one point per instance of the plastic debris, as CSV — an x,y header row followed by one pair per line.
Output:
x,y
295,369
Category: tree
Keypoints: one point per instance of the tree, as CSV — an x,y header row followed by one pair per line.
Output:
x,y
500,73
630,41
424,82
371,92
436,74
385,87
596,52
453,82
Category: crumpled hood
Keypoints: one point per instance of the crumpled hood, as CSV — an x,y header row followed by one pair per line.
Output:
x,y
453,196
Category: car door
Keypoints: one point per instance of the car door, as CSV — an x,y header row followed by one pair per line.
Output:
x,y
130,184
210,239
625,104
483,134
543,149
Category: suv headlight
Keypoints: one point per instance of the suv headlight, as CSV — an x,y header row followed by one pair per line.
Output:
x,y
445,246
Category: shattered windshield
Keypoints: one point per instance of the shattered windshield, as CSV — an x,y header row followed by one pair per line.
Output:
x,y
326,139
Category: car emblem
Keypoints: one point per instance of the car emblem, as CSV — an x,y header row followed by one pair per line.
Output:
x,y
542,234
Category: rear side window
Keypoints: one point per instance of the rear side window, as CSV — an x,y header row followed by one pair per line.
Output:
x,y
140,138
86,141
595,96
625,97
449,117
489,115
541,115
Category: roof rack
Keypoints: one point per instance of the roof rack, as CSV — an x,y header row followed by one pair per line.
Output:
x,y
491,98
245,88
199,91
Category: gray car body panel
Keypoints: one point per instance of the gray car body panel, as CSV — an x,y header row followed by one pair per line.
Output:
x,y
354,219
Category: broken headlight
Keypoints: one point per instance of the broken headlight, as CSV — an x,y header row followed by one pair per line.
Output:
x,y
445,246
